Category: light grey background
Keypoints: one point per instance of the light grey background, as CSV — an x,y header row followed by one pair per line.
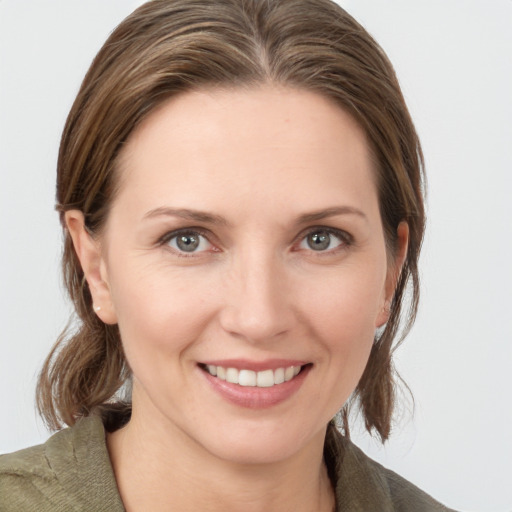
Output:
x,y
453,58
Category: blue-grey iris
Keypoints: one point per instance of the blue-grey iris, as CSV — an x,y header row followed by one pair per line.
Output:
x,y
319,240
187,243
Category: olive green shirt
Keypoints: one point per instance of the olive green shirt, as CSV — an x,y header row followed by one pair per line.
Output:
x,y
72,472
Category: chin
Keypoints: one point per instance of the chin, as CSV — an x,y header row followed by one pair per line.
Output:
x,y
262,443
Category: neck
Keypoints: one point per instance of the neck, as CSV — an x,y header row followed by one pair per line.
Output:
x,y
157,465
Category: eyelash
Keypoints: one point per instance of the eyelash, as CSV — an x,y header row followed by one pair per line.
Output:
x,y
346,239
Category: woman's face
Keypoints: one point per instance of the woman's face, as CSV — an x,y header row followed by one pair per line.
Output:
x,y
245,240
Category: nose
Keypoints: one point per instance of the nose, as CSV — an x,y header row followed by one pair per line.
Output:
x,y
259,305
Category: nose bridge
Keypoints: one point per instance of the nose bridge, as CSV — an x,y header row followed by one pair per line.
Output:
x,y
258,307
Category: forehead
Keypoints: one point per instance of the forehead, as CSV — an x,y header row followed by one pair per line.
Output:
x,y
240,144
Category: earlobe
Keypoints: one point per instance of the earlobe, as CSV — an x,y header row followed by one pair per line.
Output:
x,y
394,272
88,251
384,314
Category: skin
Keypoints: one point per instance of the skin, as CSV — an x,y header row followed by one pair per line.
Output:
x,y
258,160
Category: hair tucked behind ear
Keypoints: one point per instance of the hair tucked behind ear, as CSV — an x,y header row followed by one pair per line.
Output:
x,y
167,47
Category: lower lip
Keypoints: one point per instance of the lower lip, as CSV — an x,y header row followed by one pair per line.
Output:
x,y
252,397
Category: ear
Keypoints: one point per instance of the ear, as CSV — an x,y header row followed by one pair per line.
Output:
x,y
394,270
88,251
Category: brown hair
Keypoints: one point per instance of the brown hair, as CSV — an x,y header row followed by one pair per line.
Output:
x,y
169,46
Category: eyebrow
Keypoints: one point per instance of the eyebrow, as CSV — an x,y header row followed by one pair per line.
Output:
x,y
187,214
330,212
210,218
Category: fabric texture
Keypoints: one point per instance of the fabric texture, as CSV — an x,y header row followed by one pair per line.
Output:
x,y
72,472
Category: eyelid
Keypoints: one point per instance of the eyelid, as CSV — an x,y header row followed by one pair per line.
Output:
x,y
175,232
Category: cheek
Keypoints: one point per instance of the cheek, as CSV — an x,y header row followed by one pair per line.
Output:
x,y
347,335
157,309
346,304
343,317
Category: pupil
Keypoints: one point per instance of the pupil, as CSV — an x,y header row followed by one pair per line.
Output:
x,y
187,243
319,241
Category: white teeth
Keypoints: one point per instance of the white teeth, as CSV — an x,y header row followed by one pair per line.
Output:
x,y
249,378
288,373
279,376
232,375
265,379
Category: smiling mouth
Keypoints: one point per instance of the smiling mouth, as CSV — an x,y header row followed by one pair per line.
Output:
x,y
257,379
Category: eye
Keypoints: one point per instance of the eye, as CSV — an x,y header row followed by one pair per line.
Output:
x,y
322,240
187,242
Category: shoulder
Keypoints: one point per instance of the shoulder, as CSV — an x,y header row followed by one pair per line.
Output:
x,y
70,470
23,478
365,484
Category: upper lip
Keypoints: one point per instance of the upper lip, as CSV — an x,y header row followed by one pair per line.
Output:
x,y
257,366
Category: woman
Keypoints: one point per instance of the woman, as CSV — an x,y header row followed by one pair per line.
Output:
x,y
241,189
